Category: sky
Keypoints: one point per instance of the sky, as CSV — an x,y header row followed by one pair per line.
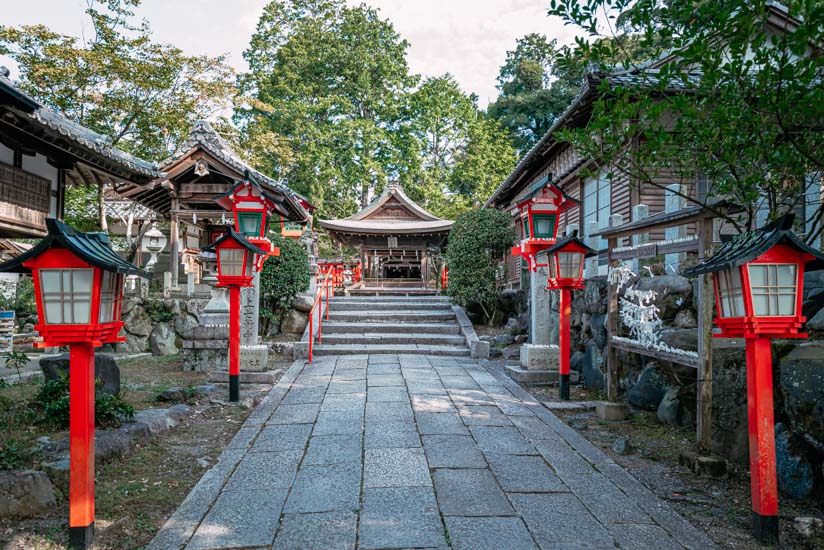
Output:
x,y
467,38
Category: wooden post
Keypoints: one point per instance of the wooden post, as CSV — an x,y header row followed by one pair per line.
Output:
x,y
81,447
564,344
706,299
612,329
234,343
174,251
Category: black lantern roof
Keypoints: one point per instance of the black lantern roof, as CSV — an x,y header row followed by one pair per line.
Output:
x,y
238,238
572,238
750,246
92,248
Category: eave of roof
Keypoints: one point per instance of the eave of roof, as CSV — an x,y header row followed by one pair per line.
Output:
x,y
360,227
235,236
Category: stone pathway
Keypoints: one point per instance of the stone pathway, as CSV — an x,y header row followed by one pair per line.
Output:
x,y
411,451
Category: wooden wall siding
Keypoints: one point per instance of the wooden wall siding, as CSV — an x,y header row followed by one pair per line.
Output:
x,y
21,188
620,191
560,164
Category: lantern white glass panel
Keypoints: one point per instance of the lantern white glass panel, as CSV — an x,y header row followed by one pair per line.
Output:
x,y
66,295
109,291
544,226
570,265
231,262
553,266
773,288
730,293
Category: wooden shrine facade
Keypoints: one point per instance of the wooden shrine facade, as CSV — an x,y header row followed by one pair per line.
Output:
x,y
205,166
397,240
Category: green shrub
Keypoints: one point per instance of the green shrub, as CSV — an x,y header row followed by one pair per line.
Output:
x,y
477,242
159,311
14,455
52,403
19,299
282,278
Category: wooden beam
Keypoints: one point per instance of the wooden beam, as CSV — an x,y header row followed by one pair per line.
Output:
x,y
612,329
174,260
706,299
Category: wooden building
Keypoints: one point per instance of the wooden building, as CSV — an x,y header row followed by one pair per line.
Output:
x,y
204,167
41,152
395,238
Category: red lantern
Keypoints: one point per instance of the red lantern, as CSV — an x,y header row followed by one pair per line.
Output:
x,y
566,272
78,284
538,216
237,261
759,283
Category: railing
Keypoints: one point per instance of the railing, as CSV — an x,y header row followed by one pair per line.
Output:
x,y
324,283
444,278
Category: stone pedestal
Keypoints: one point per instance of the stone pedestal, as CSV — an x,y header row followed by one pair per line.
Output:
x,y
254,356
208,349
534,353
539,365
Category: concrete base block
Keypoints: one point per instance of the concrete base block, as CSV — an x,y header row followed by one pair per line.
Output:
x,y
479,350
539,358
607,410
254,358
532,377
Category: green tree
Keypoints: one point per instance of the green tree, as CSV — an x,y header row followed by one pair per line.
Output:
x,y
735,100
118,82
477,242
330,80
282,278
534,90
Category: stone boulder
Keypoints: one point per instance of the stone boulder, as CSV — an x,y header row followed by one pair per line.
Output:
x,y
680,338
802,385
685,319
595,295
137,321
795,473
134,344
105,370
597,326
303,302
185,324
730,436
25,493
294,322
593,367
673,293
816,323
649,391
163,340
670,410
503,339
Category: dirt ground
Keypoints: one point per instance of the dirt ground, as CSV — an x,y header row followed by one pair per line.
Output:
x,y
720,506
135,494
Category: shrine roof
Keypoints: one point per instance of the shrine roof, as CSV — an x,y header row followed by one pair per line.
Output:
x,y
392,212
92,248
238,238
749,246
572,238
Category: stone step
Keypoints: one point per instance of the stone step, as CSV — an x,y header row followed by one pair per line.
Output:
x,y
392,298
383,305
392,292
337,327
394,338
382,316
266,377
377,349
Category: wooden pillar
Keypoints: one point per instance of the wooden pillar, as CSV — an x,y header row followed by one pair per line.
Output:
x,y
174,240
706,299
81,447
612,329
564,343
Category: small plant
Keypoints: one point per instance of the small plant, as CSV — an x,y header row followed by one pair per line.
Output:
x,y
14,455
159,311
17,360
52,401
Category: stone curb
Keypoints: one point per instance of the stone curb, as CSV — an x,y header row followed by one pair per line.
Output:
x,y
477,349
182,524
681,529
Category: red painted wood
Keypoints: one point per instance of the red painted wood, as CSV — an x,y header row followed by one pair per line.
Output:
x,y
761,427
81,435
563,337
234,330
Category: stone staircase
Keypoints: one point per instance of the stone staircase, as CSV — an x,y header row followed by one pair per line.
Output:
x,y
422,325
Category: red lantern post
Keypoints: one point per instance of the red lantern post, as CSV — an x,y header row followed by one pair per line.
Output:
x,y
78,284
237,260
759,283
566,273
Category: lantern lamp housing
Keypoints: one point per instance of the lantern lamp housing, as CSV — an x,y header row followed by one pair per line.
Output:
x,y
538,216
78,285
759,282
237,258
565,259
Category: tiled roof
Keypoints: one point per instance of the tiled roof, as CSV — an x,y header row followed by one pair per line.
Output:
x,y
82,136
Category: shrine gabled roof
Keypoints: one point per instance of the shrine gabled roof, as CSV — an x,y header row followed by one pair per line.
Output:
x,y
92,248
393,190
749,246
572,238
238,238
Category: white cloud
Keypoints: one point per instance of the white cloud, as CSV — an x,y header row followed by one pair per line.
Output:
x,y
467,38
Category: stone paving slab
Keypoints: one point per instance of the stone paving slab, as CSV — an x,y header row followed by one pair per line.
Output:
x,y
414,451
